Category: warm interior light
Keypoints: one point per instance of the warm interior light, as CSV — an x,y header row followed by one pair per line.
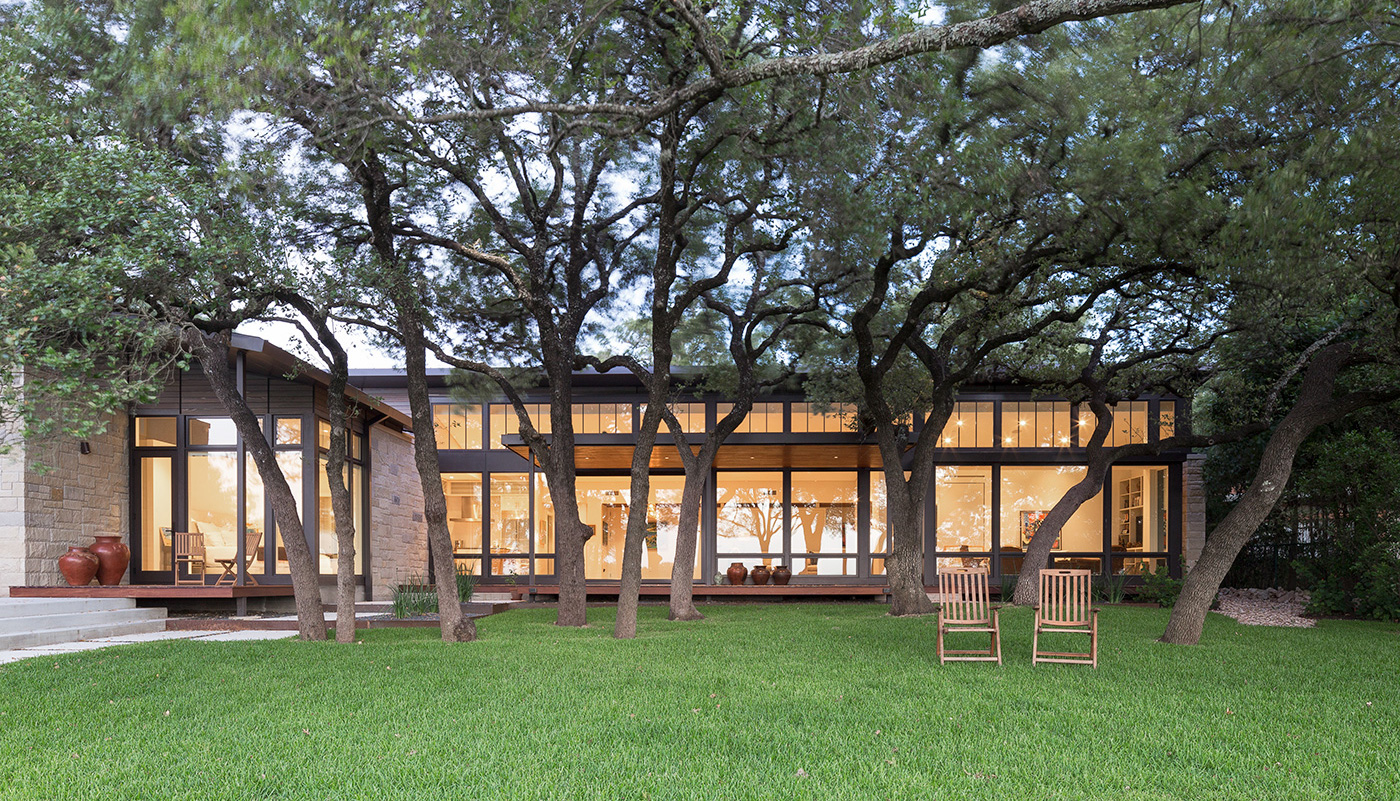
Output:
x,y
1021,423
960,422
947,440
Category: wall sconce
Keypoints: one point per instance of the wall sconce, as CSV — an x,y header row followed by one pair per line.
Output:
x,y
84,448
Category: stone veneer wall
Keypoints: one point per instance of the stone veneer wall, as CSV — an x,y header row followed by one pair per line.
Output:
x,y
398,535
11,514
73,499
1194,523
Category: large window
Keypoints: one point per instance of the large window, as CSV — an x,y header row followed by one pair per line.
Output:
x,y
749,516
510,524
963,499
825,529
1138,537
602,418
836,418
457,426
504,420
1035,424
1027,495
157,490
763,418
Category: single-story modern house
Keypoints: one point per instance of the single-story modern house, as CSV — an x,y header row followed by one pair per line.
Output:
x,y
795,485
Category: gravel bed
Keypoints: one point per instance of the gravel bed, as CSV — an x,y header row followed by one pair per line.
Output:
x,y
1272,607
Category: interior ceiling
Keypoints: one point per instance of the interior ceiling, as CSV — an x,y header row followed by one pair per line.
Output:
x,y
730,457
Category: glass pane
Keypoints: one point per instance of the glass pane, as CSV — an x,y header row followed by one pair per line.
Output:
x,y
1139,509
837,418
156,517
504,420
763,418
812,566
155,432
602,502
691,416
945,562
1035,424
1166,419
323,435
291,468
749,513
288,431
213,509
1077,563
824,513
963,499
1027,495
254,514
1125,566
463,491
211,431
510,513
544,519
457,426
515,567
1129,423
663,528
970,426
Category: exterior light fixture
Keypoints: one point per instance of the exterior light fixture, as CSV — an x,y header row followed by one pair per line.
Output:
x,y
84,448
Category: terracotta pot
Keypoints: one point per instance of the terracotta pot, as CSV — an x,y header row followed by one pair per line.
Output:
x,y
760,574
737,572
782,574
113,557
78,566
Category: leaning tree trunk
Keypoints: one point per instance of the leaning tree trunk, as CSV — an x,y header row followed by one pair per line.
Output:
x,y
212,352
1038,551
687,541
1315,407
456,627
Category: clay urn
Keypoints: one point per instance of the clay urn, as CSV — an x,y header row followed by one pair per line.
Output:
x,y
737,573
78,566
113,556
760,574
782,574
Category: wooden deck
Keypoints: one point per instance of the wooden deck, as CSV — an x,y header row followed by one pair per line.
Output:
x,y
156,591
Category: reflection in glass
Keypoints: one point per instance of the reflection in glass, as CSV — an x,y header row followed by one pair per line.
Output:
x,y
963,499
288,431
290,462
1028,494
155,432
1035,424
211,431
824,520
1139,509
457,426
749,513
156,516
510,513
463,492
504,420
969,426
328,548
213,510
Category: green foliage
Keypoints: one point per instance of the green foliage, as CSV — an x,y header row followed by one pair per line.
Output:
x,y
417,598
1110,590
1160,588
466,582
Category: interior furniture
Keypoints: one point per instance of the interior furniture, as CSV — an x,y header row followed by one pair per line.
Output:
x,y
252,538
189,549
965,609
1064,608
1010,565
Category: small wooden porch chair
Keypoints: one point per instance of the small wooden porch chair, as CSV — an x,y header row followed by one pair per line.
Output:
x,y
965,608
1064,608
189,550
252,538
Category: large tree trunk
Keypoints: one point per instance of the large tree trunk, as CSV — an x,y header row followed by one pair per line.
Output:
x,y
629,594
1315,407
342,501
456,627
687,542
570,534
1038,551
212,352
905,506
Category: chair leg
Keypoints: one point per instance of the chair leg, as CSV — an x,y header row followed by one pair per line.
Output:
x,y
1094,639
941,660
996,634
1035,643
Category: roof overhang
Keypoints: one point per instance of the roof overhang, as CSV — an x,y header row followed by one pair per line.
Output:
x,y
265,358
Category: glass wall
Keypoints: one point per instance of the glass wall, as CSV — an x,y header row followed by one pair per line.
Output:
x,y
464,515
1027,495
763,418
328,544
963,499
504,420
157,491
510,524
1139,519
825,529
748,516
457,426
969,426
837,418
1035,424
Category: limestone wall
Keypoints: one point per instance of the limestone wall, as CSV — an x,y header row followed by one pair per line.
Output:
x,y
70,497
11,515
398,535
1194,523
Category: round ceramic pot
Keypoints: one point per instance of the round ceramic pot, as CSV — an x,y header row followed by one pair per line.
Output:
x,y
737,573
78,566
782,574
113,556
760,574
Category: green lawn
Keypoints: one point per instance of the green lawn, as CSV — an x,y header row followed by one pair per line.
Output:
x,y
733,707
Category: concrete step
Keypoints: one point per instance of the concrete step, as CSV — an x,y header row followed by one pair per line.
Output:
x,y
66,620
33,607
45,632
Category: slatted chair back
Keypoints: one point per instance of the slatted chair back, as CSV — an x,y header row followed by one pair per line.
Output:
x,y
1065,597
189,544
964,595
252,538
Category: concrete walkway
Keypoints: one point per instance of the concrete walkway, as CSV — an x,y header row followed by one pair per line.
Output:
x,y
128,639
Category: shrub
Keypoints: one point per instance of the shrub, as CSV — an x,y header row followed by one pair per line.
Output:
x,y
1160,587
414,599
466,583
1111,590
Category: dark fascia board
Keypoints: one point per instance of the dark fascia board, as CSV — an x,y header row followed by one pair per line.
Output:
x,y
266,358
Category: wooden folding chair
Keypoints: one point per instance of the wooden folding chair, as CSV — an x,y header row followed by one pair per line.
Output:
x,y
252,538
189,549
965,608
1064,608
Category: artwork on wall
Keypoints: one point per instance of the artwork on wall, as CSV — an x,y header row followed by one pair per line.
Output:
x,y
1030,523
